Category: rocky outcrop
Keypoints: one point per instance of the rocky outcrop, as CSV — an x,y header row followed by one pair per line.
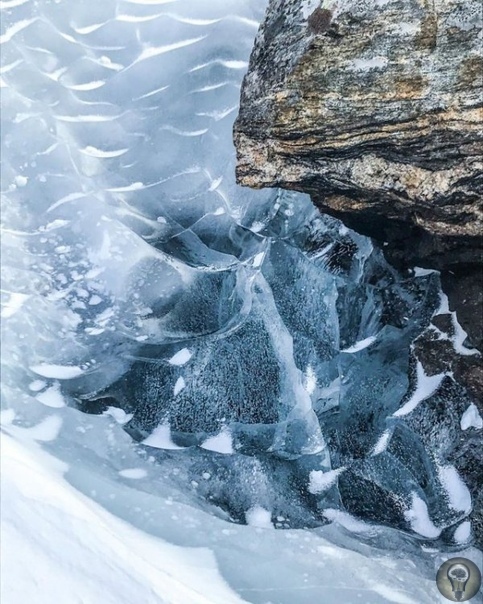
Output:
x,y
374,108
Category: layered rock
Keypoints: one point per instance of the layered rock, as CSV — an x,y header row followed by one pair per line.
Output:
x,y
374,108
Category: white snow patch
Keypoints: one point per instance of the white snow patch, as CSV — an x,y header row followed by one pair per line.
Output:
x,y
459,337
443,308
426,386
382,443
13,305
320,481
56,537
46,431
221,443
259,517
7,417
418,518
310,382
258,259
181,357
360,345
458,494
52,397
119,415
58,372
180,384
471,418
133,473
161,438
21,181
463,533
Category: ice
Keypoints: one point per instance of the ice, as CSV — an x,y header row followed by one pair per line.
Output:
x,y
197,356
471,418
133,473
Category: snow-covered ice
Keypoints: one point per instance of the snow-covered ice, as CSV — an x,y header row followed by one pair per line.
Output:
x,y
179,348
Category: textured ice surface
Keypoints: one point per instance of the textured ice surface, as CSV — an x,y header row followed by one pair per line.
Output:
x,y
247,359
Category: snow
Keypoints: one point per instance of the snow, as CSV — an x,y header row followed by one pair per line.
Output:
x,y
58,372
382,443
181,357
103,167
52,397
161,438
471,418
14,304
426,386
459,338
221,443
460,334
347,521
419,519
258,259
310,380
458,493
37,385
47,430
119,415
139,547
75,549
259,517
463,533
360,345
180,384
320,481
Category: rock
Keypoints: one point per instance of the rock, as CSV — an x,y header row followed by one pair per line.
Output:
x,y
375,109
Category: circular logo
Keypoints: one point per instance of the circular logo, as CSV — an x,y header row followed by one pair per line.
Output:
x,y
458,579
